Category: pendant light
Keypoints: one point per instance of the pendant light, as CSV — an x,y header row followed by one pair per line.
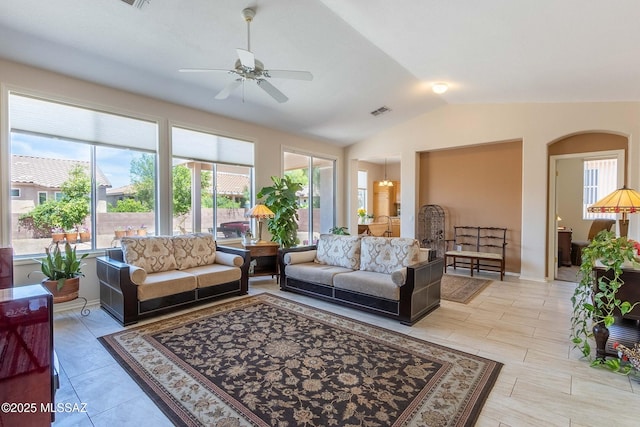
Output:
x,y
386,182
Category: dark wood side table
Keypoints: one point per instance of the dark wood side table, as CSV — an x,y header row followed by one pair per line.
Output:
x,y
265,256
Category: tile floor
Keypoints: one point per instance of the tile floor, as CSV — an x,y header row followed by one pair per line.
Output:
x,y
524,325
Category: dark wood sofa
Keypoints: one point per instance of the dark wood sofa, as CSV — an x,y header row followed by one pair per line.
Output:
x,y
418,296
119,295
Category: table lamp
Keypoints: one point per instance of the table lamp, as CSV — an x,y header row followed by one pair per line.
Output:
x,y
259,212
624,201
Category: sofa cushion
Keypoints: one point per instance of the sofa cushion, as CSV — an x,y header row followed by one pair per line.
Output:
x,y
339,250
385,255
215,274
166,283
193,250
153,254
313,272
368,282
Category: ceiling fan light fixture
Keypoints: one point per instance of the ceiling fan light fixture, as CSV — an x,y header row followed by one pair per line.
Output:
x,y
440,88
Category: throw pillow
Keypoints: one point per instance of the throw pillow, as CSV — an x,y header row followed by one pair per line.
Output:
x,y
339,250
384,255
153,254
194,250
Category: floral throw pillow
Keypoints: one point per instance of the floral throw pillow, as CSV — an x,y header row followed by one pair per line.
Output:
x,y
339,250
385,255
193,250
153,254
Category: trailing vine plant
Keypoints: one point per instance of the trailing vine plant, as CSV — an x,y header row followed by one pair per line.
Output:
x,y
594,301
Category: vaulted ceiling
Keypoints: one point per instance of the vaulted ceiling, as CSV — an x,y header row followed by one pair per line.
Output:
x,y
364,54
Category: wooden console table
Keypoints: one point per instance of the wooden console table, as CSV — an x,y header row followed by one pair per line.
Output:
x,y
265,256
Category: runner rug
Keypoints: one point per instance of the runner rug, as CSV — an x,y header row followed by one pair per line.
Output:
x,y
268,361
461,289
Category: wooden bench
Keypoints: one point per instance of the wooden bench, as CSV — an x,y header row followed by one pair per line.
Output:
x,y
477,248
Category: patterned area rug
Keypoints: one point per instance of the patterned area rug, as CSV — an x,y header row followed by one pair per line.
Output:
x,y
267,361
461,289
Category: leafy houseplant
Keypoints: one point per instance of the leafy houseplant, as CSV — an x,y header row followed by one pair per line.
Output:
x,y
594,299
339,230
62,269
281,198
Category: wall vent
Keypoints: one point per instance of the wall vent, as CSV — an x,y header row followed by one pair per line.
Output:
x,y
380,110
136,3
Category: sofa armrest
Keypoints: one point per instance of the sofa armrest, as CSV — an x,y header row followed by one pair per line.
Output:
x,y
118,294
137,274
421,291
246,257
281,254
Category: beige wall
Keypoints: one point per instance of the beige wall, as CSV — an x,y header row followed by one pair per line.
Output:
x,y
268,142
536,125
477,186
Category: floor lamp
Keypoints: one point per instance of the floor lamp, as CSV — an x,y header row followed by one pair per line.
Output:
x,y
624,200
259,212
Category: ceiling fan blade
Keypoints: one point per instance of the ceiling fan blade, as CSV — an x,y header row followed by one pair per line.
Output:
x,y
203,70
247,58
226,91
272,90
289,74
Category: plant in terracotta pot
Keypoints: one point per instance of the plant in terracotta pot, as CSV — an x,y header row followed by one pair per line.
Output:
x,y
594,300
62,269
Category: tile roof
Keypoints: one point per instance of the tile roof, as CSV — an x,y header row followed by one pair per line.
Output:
x,y
232,183
47,172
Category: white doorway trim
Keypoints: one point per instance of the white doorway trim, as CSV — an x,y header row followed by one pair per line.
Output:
x,y
552,238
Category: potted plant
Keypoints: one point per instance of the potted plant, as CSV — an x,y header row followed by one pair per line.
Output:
x,y
57,234
119,232
142,231
85,234
71,235
339,230
62,269
594,300
281,198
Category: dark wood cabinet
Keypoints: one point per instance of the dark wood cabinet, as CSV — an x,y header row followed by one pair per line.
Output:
x,y
27,382
564,248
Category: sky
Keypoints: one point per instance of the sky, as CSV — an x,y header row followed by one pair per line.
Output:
x,y
114,162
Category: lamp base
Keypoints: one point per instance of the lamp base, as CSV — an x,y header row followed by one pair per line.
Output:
x,y
623,226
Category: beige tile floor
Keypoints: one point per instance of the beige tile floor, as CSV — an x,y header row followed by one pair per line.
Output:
x,y
524,325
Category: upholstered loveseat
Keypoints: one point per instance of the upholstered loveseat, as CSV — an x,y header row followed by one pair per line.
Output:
x,y
152,275
388,276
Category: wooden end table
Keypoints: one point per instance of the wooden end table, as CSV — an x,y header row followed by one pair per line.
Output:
x,y
265,256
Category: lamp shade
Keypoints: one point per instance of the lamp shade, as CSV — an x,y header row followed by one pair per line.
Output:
x,y
623,200
259,211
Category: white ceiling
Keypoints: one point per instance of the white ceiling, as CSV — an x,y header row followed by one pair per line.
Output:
x,y
363,54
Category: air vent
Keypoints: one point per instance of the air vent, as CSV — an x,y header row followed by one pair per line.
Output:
x,y
136,3
380,110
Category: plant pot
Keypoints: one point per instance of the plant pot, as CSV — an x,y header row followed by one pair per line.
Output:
x,y
71,237
68,292
85,236
119,234
142,231
57,237
130,233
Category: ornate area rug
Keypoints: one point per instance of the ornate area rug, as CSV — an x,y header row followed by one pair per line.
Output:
x,y
267,361
461,289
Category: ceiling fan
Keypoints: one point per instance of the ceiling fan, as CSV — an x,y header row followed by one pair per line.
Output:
x,y
247,67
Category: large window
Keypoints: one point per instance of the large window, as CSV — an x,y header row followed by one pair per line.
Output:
x,y
212,178
78,170
600,179
317,198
